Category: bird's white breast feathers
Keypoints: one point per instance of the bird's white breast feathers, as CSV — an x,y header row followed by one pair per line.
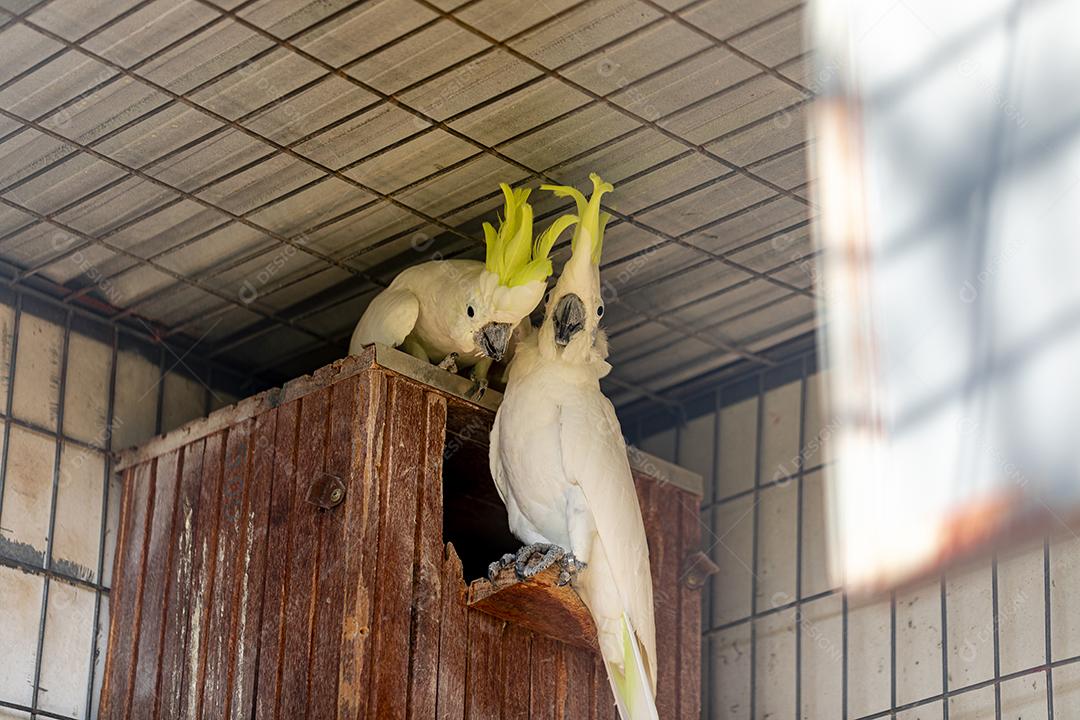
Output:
x,y
555,429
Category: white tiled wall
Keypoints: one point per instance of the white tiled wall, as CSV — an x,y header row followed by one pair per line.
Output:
x,y
781,642
58,505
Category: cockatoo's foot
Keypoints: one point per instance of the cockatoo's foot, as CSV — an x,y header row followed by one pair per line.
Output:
x,y
569,567
479,375
477,390
535,558
449,363
496,567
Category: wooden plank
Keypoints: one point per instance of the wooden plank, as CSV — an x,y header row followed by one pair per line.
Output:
x,y
427,590
303,558
331,578
483,689
253,567
272,631
178,597
155,578
603,700
689,623
206,542
661,525
664,473
425,373
125,614
397,536
221,638
398,363
516,645
558,687
361,542
546,673
248,408
578,703
453,640
538,603
327,375
110,709
108,687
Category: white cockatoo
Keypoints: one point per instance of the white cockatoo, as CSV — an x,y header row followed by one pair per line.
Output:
x,y
463,312
559,462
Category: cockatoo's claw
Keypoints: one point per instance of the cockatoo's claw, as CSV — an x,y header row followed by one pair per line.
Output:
x,y
449,363
496,567
569,567
477,390
535,558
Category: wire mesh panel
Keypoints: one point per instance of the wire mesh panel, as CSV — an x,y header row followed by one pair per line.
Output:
x,y
996,640
71,389
255,171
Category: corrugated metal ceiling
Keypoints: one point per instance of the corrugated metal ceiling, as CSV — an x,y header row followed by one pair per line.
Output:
x,y
246,175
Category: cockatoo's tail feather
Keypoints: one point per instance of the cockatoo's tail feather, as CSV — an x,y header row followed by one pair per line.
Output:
x,y
512,255
629,683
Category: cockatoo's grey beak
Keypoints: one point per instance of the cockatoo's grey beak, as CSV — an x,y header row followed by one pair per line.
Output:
x,y
568,318
493,338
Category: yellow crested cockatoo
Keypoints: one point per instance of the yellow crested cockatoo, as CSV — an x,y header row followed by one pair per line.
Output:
x,y
463,312
559,462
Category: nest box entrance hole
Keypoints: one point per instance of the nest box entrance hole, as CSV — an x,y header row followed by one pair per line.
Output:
x,y
474,517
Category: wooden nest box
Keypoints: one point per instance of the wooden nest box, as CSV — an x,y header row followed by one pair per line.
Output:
x,y
305,554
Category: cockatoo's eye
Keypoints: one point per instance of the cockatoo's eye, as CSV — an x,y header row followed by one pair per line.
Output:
x,y
599,311
469,311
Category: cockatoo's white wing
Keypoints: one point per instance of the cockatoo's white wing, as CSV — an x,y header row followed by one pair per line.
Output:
x,y
594,457
388,319
495,462
521,525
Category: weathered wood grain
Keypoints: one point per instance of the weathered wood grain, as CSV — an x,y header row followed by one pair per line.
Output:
x,y
538,603
127,616
483,686
116,655
178,596
689,621
516,647
453,641
662,528
331,579
206,542
361,541
303,558
155,582
546,675
603,700
427,582
279,532
252,569
579,683
397,543
221,626
248,408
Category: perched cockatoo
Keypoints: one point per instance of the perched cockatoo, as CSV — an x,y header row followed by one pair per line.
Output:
x,y
559,462
463,312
